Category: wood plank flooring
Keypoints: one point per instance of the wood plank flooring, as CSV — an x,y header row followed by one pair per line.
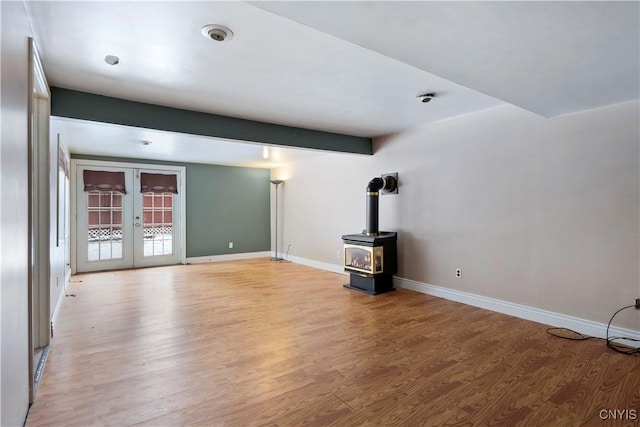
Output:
x,y
254,342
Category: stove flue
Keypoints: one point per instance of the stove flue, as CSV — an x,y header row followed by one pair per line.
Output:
x,y
387,184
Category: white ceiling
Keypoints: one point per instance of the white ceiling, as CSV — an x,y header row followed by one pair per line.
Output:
x,y
102,139
549,57
345,67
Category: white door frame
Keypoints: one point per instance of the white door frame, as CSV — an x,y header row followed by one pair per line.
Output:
x,y
181,170
38,188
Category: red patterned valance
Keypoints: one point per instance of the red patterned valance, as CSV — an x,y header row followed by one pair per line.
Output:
x,y
158,183
104,181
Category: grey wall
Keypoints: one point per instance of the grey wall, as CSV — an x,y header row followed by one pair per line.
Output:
x,y
539,212
224,204
14,347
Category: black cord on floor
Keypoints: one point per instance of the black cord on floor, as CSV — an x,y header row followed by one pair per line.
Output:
x,y
621,348
570,334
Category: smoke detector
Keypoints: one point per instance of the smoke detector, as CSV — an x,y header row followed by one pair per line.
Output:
x,y
218,33
426,97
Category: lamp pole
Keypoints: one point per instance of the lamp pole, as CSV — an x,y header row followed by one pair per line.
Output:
x,y
277,183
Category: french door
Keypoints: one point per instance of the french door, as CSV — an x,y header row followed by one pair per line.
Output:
x,y
126,224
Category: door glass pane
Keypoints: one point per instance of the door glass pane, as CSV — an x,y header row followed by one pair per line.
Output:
x,y
157,223
104,225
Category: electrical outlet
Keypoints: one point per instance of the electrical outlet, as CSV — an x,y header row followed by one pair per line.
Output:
x,y
339,253
458,273
230,245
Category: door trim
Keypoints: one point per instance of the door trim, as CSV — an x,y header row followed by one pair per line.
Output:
x,y
38,304
76,163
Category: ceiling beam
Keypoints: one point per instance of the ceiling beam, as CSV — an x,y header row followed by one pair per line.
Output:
x,y
98,108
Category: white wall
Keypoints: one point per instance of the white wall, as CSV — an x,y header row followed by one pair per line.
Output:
x,y
14,346
535,211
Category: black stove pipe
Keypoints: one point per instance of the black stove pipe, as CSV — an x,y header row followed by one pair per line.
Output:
x,y
387,183
373,191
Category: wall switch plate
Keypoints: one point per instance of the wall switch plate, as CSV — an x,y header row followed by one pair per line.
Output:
x,y
230,245
458,273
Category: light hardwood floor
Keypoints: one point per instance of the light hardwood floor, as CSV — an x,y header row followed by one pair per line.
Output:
x,y
255,342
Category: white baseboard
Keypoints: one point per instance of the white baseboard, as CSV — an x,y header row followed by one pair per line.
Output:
x,y
334,268
584,326
58,303
227,257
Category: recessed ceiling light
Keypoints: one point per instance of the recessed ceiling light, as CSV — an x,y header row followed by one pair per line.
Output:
x,y
265,153
426,97
112,60
218,33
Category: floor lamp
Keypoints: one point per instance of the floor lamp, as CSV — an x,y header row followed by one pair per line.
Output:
x,y
277,183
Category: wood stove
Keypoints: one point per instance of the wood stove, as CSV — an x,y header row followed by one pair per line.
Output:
x,y
371,256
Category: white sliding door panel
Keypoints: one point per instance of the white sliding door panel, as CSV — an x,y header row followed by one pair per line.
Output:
x,y
156,224
104,225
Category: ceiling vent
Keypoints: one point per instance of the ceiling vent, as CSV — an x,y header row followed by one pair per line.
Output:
x,y
218,33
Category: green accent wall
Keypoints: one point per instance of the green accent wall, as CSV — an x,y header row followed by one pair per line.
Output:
x,y
224,204
87,106
227,204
